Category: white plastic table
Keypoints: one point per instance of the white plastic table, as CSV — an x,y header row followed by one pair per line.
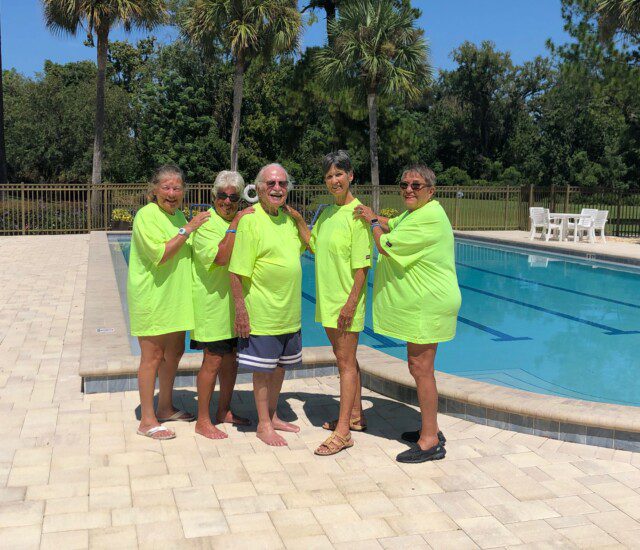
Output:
x,y
564,218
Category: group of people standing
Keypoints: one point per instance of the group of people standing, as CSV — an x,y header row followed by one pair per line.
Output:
x,y
234,278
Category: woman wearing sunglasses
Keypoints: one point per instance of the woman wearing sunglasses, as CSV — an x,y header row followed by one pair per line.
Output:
x,y
213,304
415,294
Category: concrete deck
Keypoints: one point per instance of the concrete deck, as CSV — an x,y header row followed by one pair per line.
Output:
x,y
74,474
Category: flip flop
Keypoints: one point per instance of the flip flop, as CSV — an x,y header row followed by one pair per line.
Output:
x,y
412,437
339,444
179,416
154,433
417,455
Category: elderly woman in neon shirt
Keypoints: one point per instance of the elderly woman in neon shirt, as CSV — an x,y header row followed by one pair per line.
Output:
x,y
415,294
159,296
213,332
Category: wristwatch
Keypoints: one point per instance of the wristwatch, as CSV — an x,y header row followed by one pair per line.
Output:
x,y
182,231
374,220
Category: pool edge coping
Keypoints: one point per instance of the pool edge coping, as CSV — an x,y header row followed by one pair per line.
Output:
x,y
108,356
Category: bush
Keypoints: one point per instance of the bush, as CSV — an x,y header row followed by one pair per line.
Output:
x,y
389,212
121,215
454,176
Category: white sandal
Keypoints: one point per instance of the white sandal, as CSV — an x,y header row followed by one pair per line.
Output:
x,y
151,433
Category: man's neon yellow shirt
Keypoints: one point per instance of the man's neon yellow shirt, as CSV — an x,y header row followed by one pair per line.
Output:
x,y
267,256
341,245
415,293
212,300
159,295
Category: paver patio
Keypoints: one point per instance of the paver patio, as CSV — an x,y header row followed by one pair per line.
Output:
x,y
74,474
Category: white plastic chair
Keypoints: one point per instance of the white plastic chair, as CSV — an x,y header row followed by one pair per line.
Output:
x,y
592,225
540,219
583,223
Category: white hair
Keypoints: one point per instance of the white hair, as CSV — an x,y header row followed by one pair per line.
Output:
x,y
225,178
258,181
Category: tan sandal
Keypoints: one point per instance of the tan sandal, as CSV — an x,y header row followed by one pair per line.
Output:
x,y
355,425
334,444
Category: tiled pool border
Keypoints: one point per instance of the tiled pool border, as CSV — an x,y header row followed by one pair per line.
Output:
x,y
107,365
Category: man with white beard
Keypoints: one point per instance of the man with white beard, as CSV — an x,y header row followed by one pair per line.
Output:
x,y
266,281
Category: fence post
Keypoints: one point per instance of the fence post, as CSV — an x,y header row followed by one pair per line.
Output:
x,y
617,232
23,213
552,200
506,210
304,202
88,208
566,198
456,208
104,207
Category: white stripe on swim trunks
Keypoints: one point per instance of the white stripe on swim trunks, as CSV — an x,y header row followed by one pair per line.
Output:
x,y
291,361
296,356
254,358
254,364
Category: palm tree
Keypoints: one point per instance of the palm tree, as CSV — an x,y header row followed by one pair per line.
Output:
x,y
619,16
376,50
246,29
98,17
329,6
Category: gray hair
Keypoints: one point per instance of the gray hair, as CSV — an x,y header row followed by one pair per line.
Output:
x,y
161,172
340,159
425,172
258,181
225,178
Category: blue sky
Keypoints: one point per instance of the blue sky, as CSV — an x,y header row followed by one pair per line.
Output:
x,y
519,26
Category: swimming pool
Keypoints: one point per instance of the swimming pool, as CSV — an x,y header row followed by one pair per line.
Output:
x,y
534,321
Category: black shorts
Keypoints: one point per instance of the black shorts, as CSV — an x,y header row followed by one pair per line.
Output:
x,y
219,347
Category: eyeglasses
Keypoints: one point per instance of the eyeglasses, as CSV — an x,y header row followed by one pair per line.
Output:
x,y
272,183
220,195
414,186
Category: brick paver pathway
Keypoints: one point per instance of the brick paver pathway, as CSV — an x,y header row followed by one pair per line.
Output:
x,y
74,474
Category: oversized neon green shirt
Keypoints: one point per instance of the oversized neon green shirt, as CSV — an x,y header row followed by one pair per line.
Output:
x,y
415,293
159,295
212,300
267,255
341,245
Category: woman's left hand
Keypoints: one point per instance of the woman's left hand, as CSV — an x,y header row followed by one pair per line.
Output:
x,y
293,213
364,213
346,315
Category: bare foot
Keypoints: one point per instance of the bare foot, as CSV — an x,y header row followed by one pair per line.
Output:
x,y
206,429
230,418
270,437
284,426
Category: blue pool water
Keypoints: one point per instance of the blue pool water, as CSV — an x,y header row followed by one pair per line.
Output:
x,y
543,323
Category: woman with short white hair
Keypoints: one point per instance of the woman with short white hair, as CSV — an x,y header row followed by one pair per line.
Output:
x,y
213,304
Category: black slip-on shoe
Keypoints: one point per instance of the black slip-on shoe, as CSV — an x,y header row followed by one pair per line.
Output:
x,y
412,437
416,455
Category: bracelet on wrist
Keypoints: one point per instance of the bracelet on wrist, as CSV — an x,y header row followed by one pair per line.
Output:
x,y
230,231
375,225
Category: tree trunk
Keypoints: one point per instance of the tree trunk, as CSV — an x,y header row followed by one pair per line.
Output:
x,y
373,148
98,141
330,10
3,153
238,83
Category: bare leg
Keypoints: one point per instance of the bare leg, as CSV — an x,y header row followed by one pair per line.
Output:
x,y
173,351
261,391
345,345
151,356
275,385
211,364
227,375
356,411
421,365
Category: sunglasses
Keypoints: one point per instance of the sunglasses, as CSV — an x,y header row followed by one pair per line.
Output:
x,y
414,186
272,183
220,195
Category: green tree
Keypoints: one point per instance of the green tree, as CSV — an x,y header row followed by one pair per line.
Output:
x,y
619,16
378,50
246,29
99,17
3,150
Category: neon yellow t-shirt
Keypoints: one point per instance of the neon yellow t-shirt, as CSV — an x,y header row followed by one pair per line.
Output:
x,y
341,245
159,295
267,256
212,300
415,293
